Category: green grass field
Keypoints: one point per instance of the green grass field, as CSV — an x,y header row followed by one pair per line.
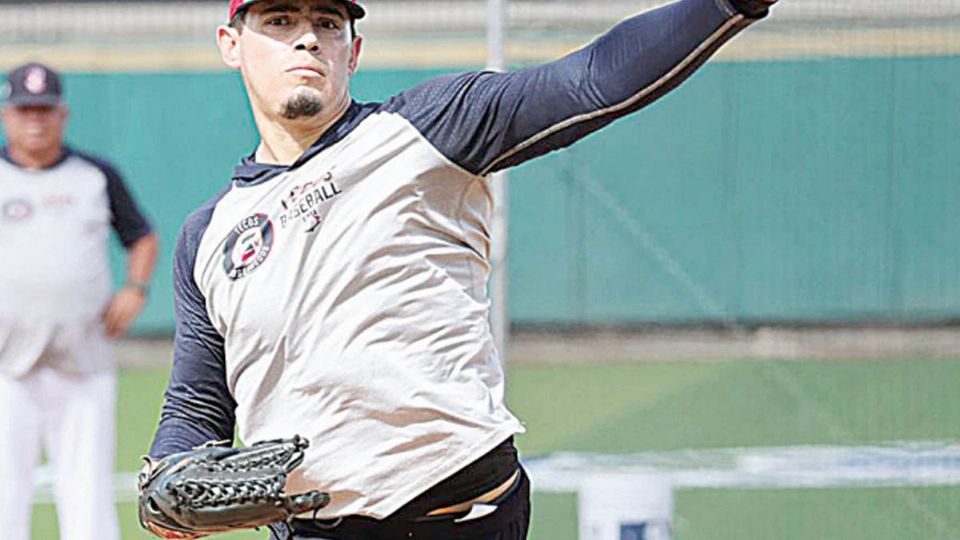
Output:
x,y
665,406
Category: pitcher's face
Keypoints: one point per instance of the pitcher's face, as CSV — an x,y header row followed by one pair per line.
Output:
x,y
296,56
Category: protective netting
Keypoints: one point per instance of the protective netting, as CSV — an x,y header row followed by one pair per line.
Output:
x,y
451,32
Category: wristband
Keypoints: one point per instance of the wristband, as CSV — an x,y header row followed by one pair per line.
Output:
x,y
141,288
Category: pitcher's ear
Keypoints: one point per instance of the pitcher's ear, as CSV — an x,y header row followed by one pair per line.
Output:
x,y
228,40
355,54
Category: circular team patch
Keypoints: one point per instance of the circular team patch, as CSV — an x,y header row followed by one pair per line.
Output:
x,y
247,246
16,210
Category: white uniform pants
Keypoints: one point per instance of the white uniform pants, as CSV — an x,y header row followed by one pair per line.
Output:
x,y
72,418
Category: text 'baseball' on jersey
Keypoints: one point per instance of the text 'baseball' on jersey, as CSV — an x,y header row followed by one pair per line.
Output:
x,y
303,201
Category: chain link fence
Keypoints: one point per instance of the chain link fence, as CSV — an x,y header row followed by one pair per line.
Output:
x,y
403,33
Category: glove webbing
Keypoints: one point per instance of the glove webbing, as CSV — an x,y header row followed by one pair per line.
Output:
x,y
206,492
247,462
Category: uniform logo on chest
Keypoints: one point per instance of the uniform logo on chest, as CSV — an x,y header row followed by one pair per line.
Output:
x,y
302,203
247,246
16,210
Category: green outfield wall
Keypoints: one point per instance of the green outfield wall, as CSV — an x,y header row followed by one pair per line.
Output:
x,y
822,190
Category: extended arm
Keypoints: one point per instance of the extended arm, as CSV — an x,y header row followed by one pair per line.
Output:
x,y
490,121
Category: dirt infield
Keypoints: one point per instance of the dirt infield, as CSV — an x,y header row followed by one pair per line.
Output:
x,y
765,342
666,344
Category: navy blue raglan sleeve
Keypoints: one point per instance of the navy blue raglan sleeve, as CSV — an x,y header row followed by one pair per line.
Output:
x,y
486,121
198,406
125,216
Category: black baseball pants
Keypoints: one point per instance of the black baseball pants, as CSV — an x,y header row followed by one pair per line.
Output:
x,y
509,521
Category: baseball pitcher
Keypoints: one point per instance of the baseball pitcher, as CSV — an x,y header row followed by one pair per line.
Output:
x,y
332,298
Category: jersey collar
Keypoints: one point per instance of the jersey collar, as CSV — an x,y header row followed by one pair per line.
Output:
x,y
250,173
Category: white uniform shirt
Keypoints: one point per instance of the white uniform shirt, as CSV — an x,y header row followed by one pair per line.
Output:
x,y
55,275
351,296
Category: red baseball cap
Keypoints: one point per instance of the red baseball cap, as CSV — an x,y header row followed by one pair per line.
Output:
x,y
355,9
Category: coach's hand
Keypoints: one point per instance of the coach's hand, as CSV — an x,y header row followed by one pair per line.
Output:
x,y
755,9
123,309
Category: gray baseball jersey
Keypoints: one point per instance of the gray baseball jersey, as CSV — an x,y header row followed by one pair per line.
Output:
x,y
343,298
55,277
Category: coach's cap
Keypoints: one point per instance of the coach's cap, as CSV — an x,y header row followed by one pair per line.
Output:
x,y
32,84
353,7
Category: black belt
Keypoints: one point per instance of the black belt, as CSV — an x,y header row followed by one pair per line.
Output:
x,y
481,476
512,506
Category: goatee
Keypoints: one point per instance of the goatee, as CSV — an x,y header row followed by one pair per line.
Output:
x,y
301,106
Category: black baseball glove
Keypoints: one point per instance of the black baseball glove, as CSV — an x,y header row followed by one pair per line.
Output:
x,y
215,488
